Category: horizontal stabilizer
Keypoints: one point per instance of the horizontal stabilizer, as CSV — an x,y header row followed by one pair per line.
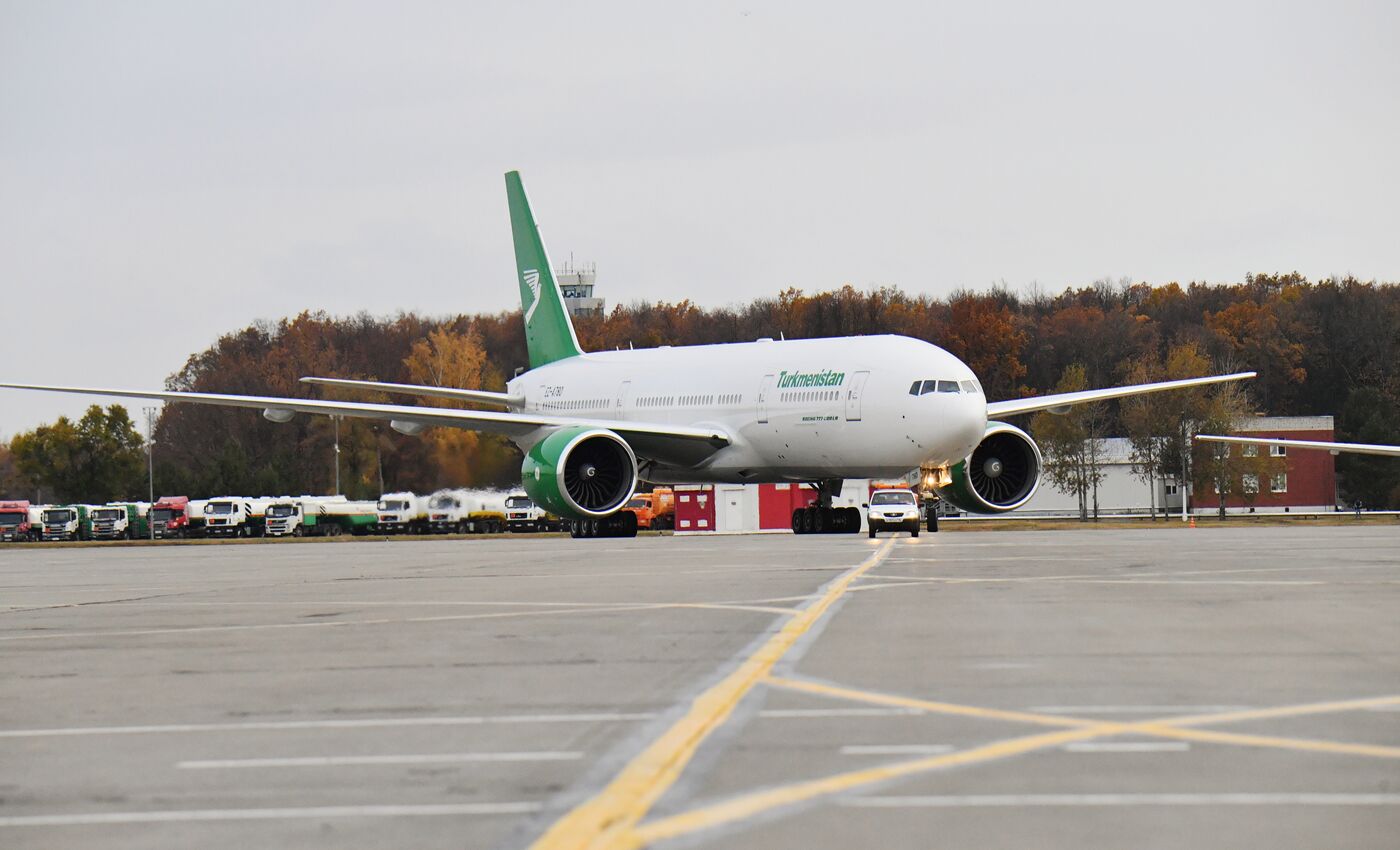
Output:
x,y
998,409
472,396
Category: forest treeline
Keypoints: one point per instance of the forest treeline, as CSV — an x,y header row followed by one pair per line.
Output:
x,y
1320,347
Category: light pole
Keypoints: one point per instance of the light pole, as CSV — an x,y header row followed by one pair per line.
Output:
x,y
337,455
151,465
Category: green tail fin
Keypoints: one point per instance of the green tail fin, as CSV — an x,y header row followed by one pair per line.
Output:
x,y
549,335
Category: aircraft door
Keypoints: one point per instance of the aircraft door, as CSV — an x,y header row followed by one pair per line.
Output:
x,y
764,389
853,394
624,394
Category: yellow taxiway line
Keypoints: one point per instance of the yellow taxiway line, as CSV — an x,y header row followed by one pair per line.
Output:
x,y
1181,727
608,819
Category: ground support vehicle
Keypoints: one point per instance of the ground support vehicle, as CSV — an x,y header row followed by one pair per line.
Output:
x,y
655,510
893,510
235,516
324,516
17,522
67,522
402,513
118,520
522,514
466,511
175,516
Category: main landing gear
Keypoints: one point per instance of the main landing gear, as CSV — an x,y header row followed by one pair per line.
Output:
x,y
620,524
821,518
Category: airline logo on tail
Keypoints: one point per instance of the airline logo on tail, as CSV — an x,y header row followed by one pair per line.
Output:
x,y
532,280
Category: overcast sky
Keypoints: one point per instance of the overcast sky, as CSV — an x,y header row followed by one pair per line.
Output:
x,y
170,171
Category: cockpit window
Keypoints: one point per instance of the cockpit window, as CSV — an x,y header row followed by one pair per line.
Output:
x,y
948,386
914,390
969,387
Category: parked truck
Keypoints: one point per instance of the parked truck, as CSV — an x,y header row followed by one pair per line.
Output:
x,y
466,511
176,516
655,510
319,516
120,520
235,516
19,522
66,522
402,513
522,514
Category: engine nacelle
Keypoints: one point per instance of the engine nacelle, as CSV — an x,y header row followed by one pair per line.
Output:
x,y
1000,475
580,472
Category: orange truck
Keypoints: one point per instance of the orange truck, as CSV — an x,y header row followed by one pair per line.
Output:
x,y
655,510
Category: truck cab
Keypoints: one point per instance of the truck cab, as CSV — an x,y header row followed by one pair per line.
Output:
x,y
401,513
170,517
16,524
110,522
64,522
522,514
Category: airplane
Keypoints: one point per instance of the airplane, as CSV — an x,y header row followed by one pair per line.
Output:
x,y
812,411
1334,448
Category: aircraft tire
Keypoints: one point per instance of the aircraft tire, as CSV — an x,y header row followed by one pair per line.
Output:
x,y
821,520
797,524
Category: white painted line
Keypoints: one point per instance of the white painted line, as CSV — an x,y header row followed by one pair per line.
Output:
x,y
1136,709
838,712
1127,747
179,815
337,761
895,749
364,723
1016,800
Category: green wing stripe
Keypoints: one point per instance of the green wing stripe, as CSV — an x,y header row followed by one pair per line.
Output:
x,y
549,335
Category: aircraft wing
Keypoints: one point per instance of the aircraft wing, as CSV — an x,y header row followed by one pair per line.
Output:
x,y
648,439
1334,448
1061,402
474,396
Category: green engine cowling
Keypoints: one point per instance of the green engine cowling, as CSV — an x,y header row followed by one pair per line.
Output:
x,y
1000,475
580,473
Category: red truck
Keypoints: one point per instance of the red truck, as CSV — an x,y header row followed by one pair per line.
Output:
x,y
15,523
170,517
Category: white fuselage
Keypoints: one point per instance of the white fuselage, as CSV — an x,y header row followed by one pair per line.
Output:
x,y
797,410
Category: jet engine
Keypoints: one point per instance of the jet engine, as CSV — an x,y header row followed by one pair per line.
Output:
x,y
580,472
1000,475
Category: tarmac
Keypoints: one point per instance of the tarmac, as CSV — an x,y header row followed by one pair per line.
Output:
x,y
1230,687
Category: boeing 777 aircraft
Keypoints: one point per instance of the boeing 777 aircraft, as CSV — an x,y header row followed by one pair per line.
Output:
x,y
815,411
1334,448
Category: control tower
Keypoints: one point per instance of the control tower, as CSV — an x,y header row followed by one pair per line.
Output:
x,y
576,284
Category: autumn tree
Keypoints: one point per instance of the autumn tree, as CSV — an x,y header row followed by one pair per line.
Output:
x,y
448,359
98,459
1072,444
1222,468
